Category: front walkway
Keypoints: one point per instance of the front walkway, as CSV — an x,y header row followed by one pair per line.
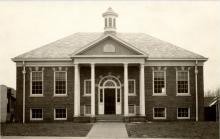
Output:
x,y
109,130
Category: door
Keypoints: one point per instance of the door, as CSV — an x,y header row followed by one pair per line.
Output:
x,y
109,99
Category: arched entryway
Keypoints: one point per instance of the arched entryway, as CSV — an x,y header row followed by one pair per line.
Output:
x,y
109,95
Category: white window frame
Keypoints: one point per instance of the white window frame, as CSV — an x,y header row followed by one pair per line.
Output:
x,y
134,93
134,109
160,118
165,82
36,95
36,119
182,94
59,118
85,111
86,80
183,117
59,95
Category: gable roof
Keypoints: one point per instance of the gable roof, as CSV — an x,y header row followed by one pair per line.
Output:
x,y
153,47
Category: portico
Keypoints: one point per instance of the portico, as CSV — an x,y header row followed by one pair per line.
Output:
x,y
109,83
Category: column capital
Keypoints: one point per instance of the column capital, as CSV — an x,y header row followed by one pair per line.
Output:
x,y
125,64
92,64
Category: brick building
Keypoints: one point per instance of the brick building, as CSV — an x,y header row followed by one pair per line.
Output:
x,y
87,75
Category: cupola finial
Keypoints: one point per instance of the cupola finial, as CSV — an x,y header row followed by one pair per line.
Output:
x,y
110,20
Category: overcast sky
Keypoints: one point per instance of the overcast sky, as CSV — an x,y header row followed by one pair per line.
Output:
x,y
194,26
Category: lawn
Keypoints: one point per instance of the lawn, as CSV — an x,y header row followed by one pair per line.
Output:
x,y
204,130
46,129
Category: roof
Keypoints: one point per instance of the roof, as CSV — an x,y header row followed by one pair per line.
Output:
x,y
65,47
210,101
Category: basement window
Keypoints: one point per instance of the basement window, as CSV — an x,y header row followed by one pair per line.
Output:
x,y
159,113
60,114
183,113
36,114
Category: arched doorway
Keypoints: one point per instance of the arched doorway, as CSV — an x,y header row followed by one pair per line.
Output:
x,y
109,95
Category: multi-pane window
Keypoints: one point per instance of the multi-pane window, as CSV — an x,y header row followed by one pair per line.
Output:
x,y
101,95
183,113
159,82
87,109
131,87
60,114
36,114
60,83
36,83
87,87
159,113
110,22
131,109
182,82
118,95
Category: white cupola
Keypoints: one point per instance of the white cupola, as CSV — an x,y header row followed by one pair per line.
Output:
x,y
110,20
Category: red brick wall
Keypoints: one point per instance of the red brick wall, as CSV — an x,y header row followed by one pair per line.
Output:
x,y
48,102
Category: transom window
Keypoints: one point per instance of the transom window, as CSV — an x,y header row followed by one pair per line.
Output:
x,y
36,114
159,82
182,82
159,113
36,83
87,87
60,114
131,87
60,83
183,113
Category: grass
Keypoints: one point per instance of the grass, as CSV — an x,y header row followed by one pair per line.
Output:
x,y
46,129
204,130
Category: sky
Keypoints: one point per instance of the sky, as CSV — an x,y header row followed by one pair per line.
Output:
x,y
192,25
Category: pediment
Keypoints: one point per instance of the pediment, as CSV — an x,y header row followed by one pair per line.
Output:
x,y
109,45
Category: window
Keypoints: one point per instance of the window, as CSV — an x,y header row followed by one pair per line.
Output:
x,y
159,113
87,87
101,95
60,114
114,23
183,113
182,82
36,114
110,22
131,87
105,22
87,109
159,83
36,83
131,109
60,83
118,95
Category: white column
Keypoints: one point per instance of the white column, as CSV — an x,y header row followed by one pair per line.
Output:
x,y
92,89
125,89
142,91
196,83
23,72
76,91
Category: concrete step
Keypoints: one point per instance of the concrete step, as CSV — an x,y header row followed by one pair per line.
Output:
x,y
109,118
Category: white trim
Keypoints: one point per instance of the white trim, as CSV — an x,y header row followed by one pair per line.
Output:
x,y
36,119
132,114
59,118
134,93
40,59
37,95
54,92
183,117
162,118
163,93
183,94
192,59
85,94
110,56
86,47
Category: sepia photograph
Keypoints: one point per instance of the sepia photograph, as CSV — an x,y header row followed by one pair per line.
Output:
x,y
110,69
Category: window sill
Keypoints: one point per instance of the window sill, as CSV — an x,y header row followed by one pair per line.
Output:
x,y
159,118
36,119
59,95
131,94
39,95
182,118
183,94
60,119
162,94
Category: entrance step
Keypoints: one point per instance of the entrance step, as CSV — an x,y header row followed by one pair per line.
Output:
x,y
109,118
